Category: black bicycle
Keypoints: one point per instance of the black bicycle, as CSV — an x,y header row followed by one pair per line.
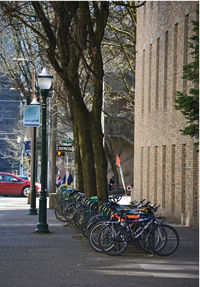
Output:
x,y
148,233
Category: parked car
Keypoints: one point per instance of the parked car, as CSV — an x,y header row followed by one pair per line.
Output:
x,y
11,184
23,176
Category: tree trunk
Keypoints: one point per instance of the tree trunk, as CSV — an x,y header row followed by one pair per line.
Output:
x,y
78,165
100,162
96,128
81,122
86,151
111,158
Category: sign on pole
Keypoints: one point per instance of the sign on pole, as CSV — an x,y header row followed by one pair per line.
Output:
x,y
67,141
32,116
65,148
27,145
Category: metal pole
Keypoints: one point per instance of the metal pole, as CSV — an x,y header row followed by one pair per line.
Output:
x,y
103,115
53,150
20,163
49,148
42,226
22,171
67,166
33,210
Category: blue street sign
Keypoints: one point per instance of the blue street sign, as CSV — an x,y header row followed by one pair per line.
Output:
x,y
32,116
27,145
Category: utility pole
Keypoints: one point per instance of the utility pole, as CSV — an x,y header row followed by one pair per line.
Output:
x,y
53,145
49,162
33,210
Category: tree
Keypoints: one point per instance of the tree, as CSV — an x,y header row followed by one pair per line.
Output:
x,y
17,69
70,36
189,104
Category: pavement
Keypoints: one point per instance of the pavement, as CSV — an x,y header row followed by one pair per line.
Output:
x,y
63,258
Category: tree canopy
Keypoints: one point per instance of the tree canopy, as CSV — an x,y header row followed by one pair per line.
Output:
x,y
68,36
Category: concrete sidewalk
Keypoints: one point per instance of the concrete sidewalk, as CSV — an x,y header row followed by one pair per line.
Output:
x,y
64,258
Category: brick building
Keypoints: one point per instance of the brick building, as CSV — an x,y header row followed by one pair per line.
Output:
x,y
165,161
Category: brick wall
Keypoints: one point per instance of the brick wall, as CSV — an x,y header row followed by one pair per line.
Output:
x,y
165,161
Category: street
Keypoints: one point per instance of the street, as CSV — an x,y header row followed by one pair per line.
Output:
x,y
64,258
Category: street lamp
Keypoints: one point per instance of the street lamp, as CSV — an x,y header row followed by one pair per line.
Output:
x,y
44,82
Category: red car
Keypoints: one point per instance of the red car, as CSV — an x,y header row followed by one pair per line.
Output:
x,y
11,184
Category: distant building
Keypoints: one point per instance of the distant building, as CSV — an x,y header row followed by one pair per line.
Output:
x,y
166,162
10,107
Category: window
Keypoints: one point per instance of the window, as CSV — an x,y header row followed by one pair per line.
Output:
x,y
9,178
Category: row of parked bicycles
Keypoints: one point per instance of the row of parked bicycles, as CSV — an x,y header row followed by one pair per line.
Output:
x,y
112,227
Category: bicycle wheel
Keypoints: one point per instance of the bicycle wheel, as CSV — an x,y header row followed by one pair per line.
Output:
x,y
69,212
94,220
113,239
60,206
78,217
163,240
142,241
93,234
84,225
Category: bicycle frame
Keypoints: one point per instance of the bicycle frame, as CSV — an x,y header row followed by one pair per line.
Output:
x,y
128,227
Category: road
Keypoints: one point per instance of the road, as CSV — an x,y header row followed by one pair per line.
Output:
x,y
63,258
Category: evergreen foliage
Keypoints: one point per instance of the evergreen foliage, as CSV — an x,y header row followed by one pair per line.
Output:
x,y
189,104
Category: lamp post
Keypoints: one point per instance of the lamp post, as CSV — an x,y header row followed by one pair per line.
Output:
x,y
44,82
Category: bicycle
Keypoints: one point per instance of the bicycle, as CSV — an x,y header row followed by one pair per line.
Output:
x,y
72,207
113,212
152,236
63,203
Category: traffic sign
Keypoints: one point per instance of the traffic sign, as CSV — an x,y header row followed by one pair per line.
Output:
x,y
67,141
65,148
67,145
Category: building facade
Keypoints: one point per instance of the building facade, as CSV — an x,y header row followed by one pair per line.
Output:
x,y
10,113
165,161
